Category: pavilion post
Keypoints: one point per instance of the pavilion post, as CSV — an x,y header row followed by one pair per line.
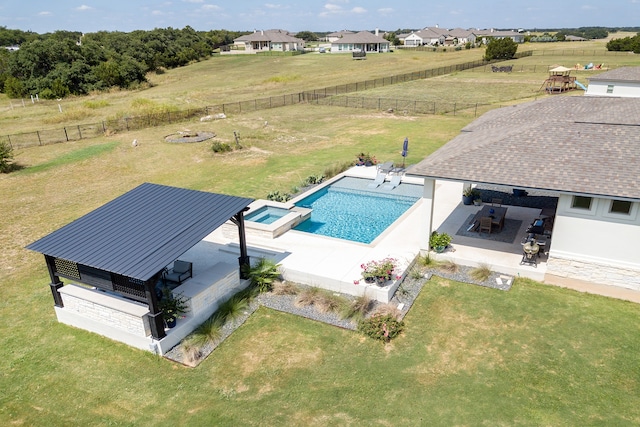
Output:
x,y
55,283
156,321
244,259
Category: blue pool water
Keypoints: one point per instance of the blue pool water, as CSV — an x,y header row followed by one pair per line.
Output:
x,y
266,214
348,210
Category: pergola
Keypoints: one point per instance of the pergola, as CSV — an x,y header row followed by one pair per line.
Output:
x,y
125,245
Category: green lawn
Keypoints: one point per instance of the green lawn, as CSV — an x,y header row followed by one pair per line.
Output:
x,y
536,355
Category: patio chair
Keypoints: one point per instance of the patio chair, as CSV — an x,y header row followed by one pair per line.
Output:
x,y
385,167
496,202
395,181
181,271
485,225
379,180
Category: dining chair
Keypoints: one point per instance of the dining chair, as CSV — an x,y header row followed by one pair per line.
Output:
x,y
496,202
485,224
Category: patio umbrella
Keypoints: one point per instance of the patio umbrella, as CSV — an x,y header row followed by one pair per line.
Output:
x,y
405,150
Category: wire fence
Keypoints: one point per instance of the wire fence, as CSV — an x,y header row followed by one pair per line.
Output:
x,y
325,96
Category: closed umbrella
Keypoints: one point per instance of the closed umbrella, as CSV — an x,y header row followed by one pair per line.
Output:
x,y
405,150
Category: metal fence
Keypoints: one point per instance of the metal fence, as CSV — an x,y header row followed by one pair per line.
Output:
x,y
78,132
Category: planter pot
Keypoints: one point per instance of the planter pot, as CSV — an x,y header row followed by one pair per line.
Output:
x,y
171,323
439,249
467,200
368,163
477,202
369,280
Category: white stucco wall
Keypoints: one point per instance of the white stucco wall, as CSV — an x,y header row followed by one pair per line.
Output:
x,y
620,89
586,243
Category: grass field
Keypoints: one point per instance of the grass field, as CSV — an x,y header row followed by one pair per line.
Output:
x,y
536,355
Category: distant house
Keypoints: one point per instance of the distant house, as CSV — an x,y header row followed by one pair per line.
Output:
x,y
269,40
495,34
436,36
621,82
332,37
583,149
363,41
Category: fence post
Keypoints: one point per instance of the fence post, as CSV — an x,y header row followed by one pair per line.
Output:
x,y
79,132
9,139
126,122
66,136
39,140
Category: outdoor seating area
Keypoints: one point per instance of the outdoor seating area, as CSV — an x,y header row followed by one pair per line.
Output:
x,y
489,219
384,171
181,271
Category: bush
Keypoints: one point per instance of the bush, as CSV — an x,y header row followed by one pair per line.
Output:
x,y
449,266
322,300
6,158
263,273
441,240
277,196
481,273
383,328
336,169
220,147
284,288
357,308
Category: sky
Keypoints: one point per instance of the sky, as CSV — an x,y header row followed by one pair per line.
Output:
x,y
42,16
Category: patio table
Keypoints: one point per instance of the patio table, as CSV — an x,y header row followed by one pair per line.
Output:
x,y
497,216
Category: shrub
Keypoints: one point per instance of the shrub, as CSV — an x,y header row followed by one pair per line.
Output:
x,y
263,273
449,266
322,300
220,147
387,309
357,308
284,288
336,169
481,273
426,260
313,180
383,328
233,307
379,270
307,297
439,240
6,157
276,196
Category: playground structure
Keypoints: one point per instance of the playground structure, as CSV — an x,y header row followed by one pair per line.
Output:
x,y
559,80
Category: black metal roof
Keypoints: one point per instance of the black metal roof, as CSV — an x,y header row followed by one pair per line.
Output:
x,y
142,231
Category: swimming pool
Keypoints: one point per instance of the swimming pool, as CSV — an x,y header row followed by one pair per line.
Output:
x,y
267,214
347,210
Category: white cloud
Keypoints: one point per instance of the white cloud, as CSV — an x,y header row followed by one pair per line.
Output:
x,y
588,7
44,13
210,7
193,1
358,9
333,8
157,13
84,7
274,6
385,10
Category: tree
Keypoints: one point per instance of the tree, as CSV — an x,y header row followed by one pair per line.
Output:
x,y
307,36
6,158
500,49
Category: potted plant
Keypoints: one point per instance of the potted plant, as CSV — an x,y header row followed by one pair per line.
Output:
x,y
469,194
378,272
365,159
439,241
477,201
172,306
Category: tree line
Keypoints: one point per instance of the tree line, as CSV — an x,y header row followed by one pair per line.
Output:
x,y
625,44
62,63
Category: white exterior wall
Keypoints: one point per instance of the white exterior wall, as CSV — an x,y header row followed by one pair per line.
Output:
x,y
413,40
596,245
620,89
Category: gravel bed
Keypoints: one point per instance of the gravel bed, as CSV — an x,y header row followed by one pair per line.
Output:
x,y
406,294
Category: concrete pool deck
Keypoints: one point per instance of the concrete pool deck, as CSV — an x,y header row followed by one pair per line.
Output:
x,y
334,264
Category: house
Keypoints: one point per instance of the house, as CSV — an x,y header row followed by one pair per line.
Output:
x,y
621,82
116,257
462,36
363,41
269,40
332,37
586,150
496,34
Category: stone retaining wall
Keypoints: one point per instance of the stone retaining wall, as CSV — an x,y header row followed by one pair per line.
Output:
x,y
594,272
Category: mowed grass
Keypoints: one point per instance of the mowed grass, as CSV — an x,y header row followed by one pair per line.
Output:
x,y
536,355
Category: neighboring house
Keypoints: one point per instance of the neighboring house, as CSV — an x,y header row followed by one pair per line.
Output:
x,y
270,40
426,36
332,37
621,82
574,39
462,36
584,149
491,33
363,41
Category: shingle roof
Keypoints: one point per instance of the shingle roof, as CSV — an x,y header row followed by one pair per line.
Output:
x,y
361,37
583,145
142,231
626,74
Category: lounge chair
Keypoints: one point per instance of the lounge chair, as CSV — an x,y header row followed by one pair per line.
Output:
x,y
395,181
385,167
379,180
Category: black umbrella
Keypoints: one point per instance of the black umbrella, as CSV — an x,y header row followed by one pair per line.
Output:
x,y
405,150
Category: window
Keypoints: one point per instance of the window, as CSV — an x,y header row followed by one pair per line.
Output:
x,y
620,207
609,88
581,202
